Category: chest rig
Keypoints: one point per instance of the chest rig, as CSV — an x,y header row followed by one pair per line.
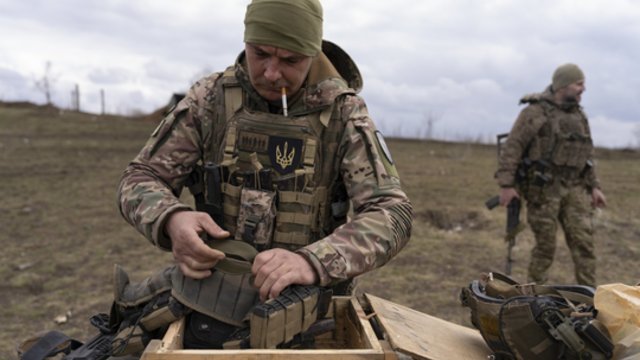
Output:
x,y
275,175
563,144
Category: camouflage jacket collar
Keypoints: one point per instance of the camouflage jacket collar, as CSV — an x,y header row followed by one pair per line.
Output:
x,y
546,98
332,73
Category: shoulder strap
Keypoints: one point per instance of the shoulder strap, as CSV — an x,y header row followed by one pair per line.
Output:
x,y
555,130
546,109
232,93
232,103
571,294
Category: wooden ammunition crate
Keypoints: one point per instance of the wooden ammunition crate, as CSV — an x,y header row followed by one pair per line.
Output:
x,y
406,331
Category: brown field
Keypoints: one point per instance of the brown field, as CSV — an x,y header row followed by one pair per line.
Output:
x,y
61,232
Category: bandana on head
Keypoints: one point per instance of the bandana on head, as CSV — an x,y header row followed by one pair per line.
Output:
x,y
294,25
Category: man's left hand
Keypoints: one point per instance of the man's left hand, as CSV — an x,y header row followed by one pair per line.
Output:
x,y
276,269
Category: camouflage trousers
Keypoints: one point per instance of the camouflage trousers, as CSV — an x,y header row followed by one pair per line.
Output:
x,y
569,207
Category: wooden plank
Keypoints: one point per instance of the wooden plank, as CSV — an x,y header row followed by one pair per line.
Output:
x,y
389,353
259,354
172,339
368,336
151,350
426,337
351,324
340,304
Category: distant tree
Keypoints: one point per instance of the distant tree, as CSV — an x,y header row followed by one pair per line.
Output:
x,y
636,132
45,83
430,119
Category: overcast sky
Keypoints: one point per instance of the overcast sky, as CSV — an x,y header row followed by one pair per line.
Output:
x,y
461,63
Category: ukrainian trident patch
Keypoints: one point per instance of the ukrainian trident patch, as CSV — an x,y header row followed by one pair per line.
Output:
x,y
285,154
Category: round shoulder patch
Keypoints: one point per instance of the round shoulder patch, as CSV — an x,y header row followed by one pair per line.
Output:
x,y
383,146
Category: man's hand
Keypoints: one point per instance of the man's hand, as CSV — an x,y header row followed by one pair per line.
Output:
x,y
276,269
507,194
598,200
192,255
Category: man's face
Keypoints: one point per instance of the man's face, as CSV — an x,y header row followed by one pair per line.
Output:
x,y
573,92
271,69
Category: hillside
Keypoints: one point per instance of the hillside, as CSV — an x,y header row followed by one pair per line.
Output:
x,y
61,232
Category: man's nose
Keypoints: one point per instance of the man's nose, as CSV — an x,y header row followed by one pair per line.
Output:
x,y
272,71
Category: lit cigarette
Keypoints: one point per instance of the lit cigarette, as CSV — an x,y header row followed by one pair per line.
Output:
x,y
284,101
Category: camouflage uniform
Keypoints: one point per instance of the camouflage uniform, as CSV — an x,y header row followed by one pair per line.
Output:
x,y
559,136
360,167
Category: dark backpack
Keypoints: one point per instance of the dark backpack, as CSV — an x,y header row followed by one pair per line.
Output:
x,y
528,321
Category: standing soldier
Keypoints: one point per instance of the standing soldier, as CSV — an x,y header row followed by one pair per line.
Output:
x,y
548,159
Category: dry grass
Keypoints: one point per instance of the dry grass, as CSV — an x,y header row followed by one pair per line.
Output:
x,y
61,232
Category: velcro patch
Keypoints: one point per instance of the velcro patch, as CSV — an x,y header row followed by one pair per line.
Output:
x,y
252,142
383,147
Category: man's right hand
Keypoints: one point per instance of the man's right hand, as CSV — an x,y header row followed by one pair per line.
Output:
x,y
507,194
192,255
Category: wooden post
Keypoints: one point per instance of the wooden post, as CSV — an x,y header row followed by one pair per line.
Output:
x,y
77,93
102,101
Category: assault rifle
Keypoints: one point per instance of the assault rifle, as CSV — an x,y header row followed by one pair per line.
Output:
x,y
54,343
513,208
513,225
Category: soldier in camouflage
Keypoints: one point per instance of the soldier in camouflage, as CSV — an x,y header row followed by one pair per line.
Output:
x,y
287,171
549,160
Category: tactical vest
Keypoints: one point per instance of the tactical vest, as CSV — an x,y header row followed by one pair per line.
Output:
x,y
275,177
528,321
563,142
269,157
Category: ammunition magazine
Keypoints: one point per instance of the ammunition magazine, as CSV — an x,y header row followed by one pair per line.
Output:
x,y
293,312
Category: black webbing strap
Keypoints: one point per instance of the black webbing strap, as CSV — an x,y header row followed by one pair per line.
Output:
x,y
50,344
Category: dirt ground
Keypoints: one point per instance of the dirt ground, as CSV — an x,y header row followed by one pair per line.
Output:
x,y
61,232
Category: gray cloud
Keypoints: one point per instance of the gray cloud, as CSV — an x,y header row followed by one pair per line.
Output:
x,y
106,76
14,86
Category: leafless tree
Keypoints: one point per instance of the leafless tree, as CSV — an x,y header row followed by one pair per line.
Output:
x,y
430,119
45,83
636,132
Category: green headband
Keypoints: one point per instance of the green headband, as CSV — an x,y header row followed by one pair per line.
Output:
x,y
294,25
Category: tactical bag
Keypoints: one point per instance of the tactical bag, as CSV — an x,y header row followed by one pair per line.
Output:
x,y
528,321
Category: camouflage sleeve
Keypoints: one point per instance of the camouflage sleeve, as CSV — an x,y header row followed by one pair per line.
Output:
x,y
382,214
522,133
151,184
